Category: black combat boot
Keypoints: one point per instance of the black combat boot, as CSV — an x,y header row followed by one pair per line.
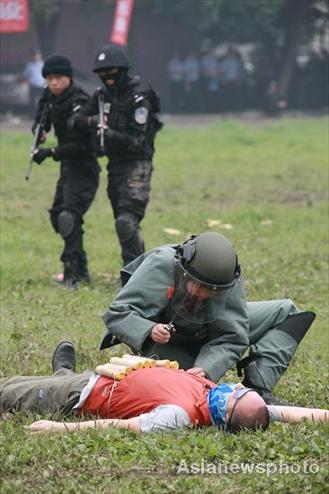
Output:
x,y
75,272
71,273
64,357
83,273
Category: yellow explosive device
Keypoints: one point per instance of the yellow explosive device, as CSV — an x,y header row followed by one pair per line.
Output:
x,y
119,367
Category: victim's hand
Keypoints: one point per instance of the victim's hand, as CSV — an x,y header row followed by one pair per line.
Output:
x,y
45,426
159,334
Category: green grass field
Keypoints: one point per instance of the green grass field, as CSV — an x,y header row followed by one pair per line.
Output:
x,y
269,181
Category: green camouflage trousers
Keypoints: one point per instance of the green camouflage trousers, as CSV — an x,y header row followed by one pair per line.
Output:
x,y
56,393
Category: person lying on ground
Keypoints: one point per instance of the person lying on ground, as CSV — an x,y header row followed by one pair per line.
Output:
x,y
147,400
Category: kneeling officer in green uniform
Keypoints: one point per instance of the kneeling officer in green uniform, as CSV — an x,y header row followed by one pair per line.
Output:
x,y
186,302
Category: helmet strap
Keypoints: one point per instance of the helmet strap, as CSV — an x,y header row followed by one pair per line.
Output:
x,y
186,251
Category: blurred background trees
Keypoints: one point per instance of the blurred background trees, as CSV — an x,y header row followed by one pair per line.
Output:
x,y
277,48
276,27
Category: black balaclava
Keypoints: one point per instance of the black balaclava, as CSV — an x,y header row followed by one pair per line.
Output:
x,y
120,79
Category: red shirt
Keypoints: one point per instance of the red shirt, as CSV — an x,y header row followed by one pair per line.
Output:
x,y
145,389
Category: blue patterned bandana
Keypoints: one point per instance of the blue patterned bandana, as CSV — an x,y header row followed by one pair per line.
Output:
x,y
217,401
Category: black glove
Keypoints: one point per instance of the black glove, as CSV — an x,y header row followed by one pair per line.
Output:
x,y
110,136
42,154
93,121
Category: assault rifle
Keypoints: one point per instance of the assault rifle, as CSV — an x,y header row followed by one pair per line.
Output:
x,y
37,138
101,122
103,109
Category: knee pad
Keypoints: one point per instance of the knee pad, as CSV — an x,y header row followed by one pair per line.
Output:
x,y
126,226
66,223
296,325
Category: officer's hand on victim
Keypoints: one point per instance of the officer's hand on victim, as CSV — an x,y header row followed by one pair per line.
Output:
x,y
196,371
160,334
39,155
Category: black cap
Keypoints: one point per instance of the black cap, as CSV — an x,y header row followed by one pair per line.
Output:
x,y
57,64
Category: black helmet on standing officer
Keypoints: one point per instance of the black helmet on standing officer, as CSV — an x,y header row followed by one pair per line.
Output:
x,y
112,64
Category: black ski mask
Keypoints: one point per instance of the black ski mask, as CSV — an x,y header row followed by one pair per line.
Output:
x,y
120,79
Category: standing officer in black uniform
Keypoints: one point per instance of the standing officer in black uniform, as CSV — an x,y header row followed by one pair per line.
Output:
x,y
79,169
127,138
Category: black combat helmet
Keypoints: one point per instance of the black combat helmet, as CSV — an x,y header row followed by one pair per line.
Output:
x,y
110,56
206,270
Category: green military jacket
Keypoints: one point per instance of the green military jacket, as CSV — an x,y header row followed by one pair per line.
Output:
x,y
143,302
